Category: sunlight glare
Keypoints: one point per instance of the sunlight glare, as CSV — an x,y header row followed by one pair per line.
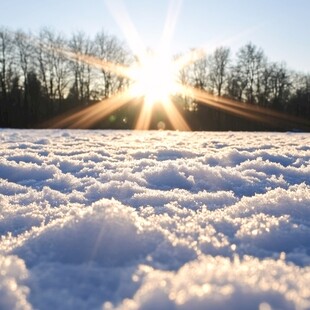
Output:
x,y
154,79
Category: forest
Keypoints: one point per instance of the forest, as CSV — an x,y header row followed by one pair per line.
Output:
x,y
38,83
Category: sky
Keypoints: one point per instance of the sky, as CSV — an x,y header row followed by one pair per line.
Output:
x,y
280,27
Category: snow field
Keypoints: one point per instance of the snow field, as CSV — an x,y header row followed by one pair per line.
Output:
x,y
154,220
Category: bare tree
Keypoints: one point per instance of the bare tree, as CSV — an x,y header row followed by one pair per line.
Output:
x,y
246,75
6,71
199,73
81,89
54,68
299,103
6,60
184,78
219,61
264,96
24,60
109,49
280,86
43,51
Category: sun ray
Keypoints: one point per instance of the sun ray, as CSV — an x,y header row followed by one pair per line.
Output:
x,y
118,69
175,117
124,21
145,117
170,24
250,111
90,115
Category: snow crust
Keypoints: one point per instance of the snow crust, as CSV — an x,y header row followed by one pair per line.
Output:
x,y
154,220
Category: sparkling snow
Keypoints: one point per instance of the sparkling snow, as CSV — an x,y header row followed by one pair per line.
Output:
x,y
154,220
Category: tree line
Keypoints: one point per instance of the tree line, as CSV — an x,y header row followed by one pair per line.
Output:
x,y
37,82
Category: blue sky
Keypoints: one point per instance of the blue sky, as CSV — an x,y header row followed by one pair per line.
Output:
x,y
280,27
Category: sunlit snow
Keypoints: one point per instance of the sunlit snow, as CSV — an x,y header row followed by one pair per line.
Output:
x,y
154,220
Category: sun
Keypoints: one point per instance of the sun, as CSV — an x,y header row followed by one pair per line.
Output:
x,y
154,78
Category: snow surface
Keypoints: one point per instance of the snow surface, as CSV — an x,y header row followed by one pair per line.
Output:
x,y
154,220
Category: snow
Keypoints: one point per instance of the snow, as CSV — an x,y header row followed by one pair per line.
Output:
x,y
154,220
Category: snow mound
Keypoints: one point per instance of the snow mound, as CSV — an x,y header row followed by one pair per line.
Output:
x,y
13,290
107,233
216,282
